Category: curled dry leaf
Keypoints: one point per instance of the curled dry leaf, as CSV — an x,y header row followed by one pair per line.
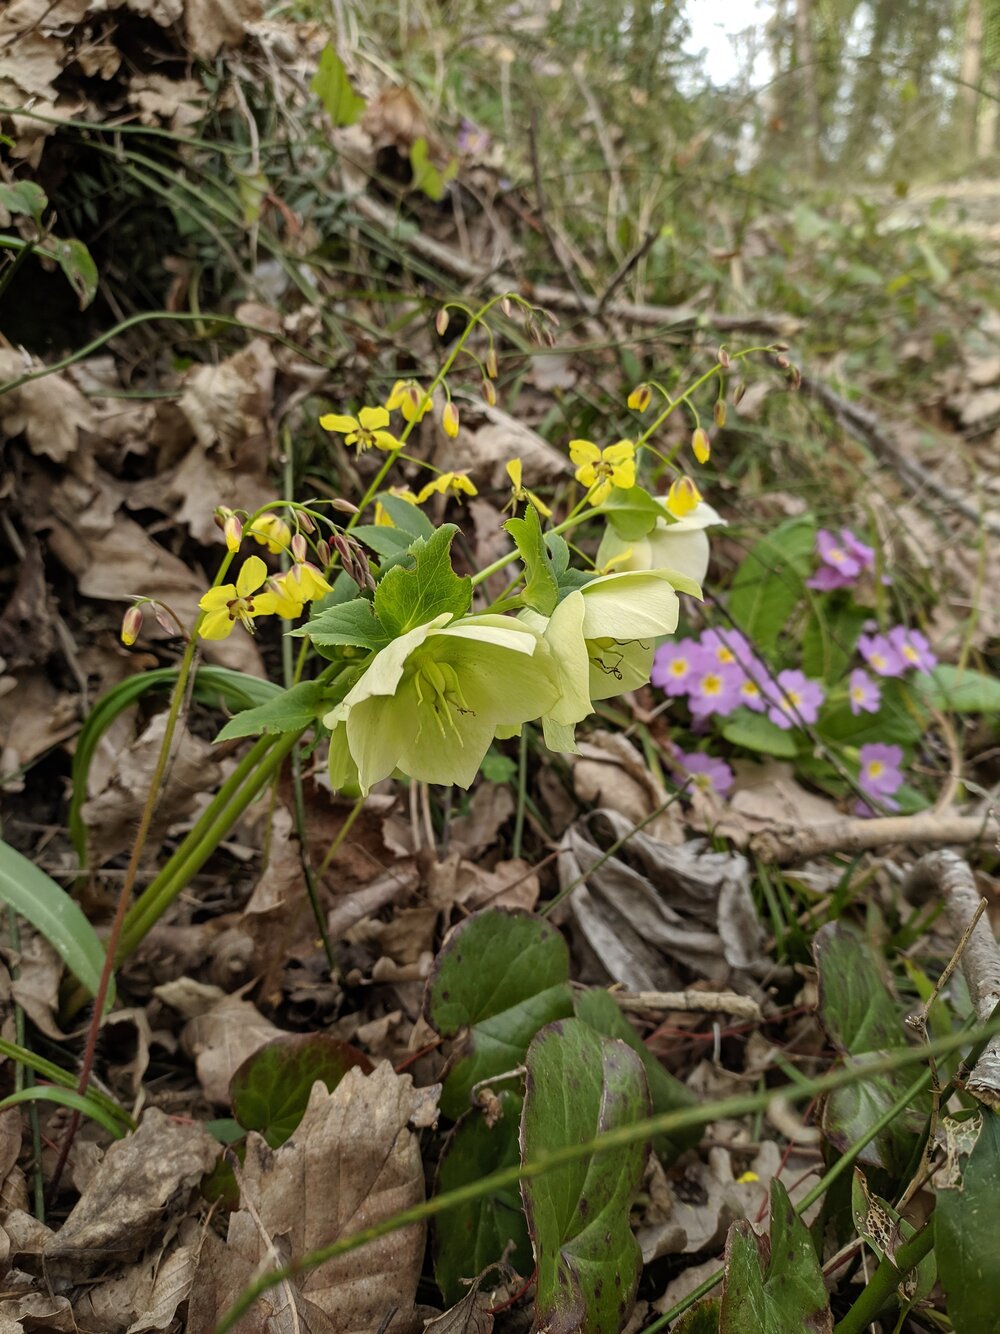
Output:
x,y
650,907
142,1180
610,773
51,413
352,1161
221,1039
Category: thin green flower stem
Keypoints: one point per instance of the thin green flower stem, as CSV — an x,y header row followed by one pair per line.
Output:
x,y
517,837
673,403
879,1289
192,854
816,1192
145,318
618,1138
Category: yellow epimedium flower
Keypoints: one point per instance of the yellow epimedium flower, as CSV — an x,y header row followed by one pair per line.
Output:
x,y
364,430
412,401
600,470
287,604
305,583
241,602
640,397
383,519
271,531
683,498
701,446
447,483
430,702
520,493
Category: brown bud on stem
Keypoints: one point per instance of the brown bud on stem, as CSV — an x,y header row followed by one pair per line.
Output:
x,y
441,322
131,625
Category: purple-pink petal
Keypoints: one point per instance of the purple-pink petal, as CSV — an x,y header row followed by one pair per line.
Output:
x,y
858,550
796,701
864,694
881,655
913,649
675,664
707,771
880,774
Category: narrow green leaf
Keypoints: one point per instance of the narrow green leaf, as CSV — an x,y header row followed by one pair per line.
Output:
x,y
596,1008
768,584
541,587
291,711
412,594
956,690
333,88
270,1090
50,910
966,1227
578,1085
79,268
55,1074
478,1234
352,623
774,1283
69,1098
500,976
753,731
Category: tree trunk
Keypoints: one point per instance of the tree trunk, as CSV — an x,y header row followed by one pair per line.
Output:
x,y
968,91
808,90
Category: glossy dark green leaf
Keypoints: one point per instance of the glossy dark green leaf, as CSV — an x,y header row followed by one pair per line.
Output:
x,y
596,1008
774,1283
270,1089
830,637
901,719
753,731
469,1238
770,581
423,586
498,978
966,1227
701,1319
351,623
79,269
580,1085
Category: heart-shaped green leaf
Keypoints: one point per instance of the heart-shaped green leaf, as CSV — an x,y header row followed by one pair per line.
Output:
x,y
270,1089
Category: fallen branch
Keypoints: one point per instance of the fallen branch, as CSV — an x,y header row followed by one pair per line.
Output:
x,y
866,427
948,874
484,278
788,844
704,1002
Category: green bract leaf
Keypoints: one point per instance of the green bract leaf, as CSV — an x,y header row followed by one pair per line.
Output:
x,y
753,731
426,176
51,911
407,517
501,976
633,512
768,584
541,587
351,623
81,272
596,1008
270,1090
956,690
412,595
473,1236
333,88
580,1085
966,1225
862,1018
774,1284
292,710
23,197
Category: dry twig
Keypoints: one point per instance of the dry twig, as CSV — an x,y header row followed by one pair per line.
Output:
x,y
787,844
704,1002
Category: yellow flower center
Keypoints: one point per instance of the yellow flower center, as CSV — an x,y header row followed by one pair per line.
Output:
x,y
877,660
678,667
910,653
836,556
750,688
875,767
712,685
725,654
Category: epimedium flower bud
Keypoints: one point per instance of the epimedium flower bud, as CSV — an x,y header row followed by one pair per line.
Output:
x,y
163,620
449,419
640,398
783,362
342,546
232,530
441,321
490,393
323,552
305,521
720,412
343,506
724,359
738,393
701,445
492,369
299,549
131,625
507,307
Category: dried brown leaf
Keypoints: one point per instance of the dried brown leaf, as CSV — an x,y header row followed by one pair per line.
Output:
x,y
221,1039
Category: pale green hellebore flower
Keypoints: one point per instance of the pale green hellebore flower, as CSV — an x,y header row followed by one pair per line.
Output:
x,y
602,639
680,546
430,703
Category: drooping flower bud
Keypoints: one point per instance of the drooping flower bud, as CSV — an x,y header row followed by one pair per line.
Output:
x,y
305,521
724,360
783,362
323,553
682,497
343,506
232,529
131,625
738,393
507,307
441,321
449,419
492,368
490,393
720,412
640,397
299,549
701,445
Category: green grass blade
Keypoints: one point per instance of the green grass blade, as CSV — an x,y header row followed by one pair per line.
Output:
x,y
39,900
68,1098
55,1074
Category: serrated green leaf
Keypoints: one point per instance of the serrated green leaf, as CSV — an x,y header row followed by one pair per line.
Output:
x,y
291,711
23,197
270,1090
541,586
753,731
79,269
39,900
959,690
966,1226
633,512
579,1085
351,623
422,587
333,88
407,517
769,582
668,1094
500,976
473,1236
775,1284
862,1020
